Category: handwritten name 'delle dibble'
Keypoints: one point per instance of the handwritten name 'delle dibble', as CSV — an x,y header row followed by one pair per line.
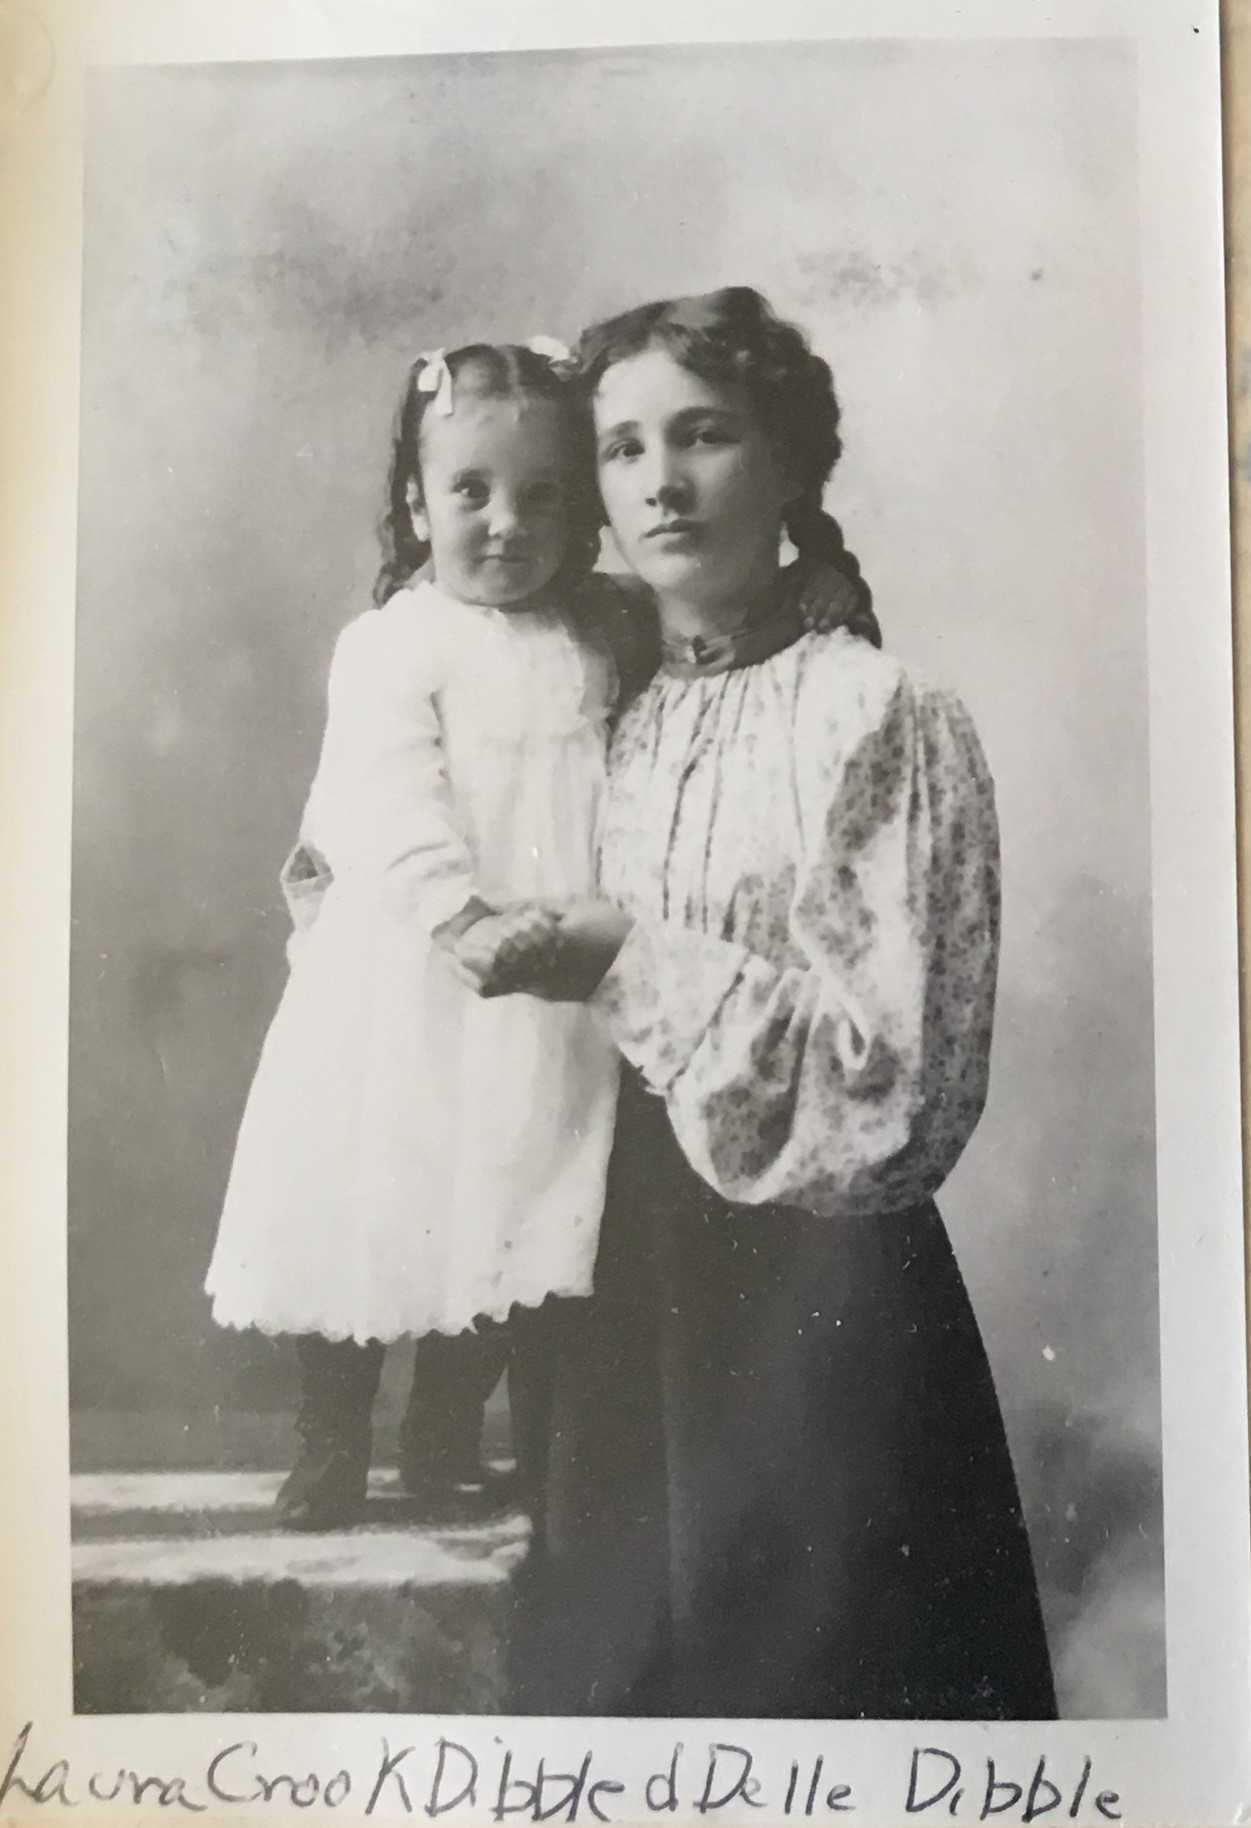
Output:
x,y
446,1778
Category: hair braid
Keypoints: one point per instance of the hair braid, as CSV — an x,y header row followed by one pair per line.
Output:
x,y
817,535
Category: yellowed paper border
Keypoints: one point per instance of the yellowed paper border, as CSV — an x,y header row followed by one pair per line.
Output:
x,y
39,187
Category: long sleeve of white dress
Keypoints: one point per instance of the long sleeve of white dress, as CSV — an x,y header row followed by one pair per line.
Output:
x,y
380,810
809,847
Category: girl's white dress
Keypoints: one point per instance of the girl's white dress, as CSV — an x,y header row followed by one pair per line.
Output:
x,y
412,1156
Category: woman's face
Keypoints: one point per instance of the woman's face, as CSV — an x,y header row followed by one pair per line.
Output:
x,y
692,486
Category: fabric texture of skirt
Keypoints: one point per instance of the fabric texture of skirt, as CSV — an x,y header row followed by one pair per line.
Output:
x,y
777,1481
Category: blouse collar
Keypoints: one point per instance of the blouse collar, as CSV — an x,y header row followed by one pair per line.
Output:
x,y
746,645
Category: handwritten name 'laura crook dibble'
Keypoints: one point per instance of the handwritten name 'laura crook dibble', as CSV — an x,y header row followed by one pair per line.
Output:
x,y
446,1778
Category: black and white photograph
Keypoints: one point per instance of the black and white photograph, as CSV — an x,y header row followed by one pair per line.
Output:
x,y
625,915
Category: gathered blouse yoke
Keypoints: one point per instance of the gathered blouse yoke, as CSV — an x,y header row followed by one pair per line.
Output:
x,y
809,849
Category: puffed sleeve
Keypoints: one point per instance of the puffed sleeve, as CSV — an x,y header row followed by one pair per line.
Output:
x,y
380,812
847,1083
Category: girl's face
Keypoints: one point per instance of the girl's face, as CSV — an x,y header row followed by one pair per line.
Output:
x,y
494,503
692,486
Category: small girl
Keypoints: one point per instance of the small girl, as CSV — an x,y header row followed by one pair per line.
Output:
x,y
414,1159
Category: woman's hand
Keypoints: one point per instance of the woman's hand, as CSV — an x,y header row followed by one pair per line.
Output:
x,y
561,958
828,598
502,950
588,939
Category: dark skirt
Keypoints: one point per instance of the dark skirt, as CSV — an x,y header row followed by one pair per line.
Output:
x,y
776,1482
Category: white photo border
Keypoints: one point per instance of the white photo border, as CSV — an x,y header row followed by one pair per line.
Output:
x,y
1193,1766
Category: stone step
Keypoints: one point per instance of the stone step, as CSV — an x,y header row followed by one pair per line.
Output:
x,y
186,1598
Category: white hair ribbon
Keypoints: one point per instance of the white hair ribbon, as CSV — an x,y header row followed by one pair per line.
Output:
x,y
436,378
552,350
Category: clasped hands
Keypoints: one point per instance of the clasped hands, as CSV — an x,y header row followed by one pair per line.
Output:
x,y
555,950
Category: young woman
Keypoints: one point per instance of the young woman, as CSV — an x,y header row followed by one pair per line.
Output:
x,y
778,1482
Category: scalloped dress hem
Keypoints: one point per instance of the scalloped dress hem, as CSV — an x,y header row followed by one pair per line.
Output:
x,y
420,1327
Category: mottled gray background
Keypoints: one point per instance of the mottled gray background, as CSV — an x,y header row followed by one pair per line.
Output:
x,y
266,247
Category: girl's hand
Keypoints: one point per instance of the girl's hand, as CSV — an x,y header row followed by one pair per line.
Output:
x,y
829,599
452,931
559,953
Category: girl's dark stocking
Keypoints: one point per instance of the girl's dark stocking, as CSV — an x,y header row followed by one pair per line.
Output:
x,y
441,1434
338,1383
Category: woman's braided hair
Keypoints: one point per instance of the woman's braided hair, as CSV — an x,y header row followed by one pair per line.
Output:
x,y
733,337
498,371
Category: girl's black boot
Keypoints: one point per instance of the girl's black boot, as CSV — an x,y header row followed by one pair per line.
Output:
x,y
325,1489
